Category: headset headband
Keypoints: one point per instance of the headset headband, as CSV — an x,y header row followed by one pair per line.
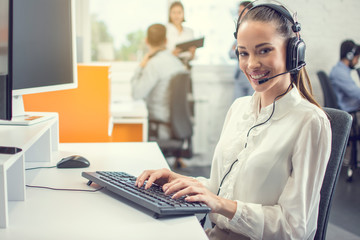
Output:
x,y
296,27
353,49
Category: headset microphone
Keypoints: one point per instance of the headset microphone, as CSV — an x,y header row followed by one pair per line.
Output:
x,y
267,79
292,71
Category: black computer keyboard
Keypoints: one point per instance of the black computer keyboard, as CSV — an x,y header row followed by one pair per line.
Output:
x,y
153,198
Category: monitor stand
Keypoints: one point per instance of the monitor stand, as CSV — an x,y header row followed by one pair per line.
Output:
x,y
20,117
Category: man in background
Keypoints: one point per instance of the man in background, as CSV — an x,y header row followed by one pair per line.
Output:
x,y
346,90
151,80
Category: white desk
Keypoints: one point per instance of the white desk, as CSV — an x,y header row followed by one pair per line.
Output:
x,y
128,111
48,214
37,142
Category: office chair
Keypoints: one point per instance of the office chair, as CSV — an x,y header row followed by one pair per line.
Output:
x,y
181,122
341,122
330,101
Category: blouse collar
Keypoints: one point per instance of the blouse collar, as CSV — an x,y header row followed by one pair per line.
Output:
x,y
282,106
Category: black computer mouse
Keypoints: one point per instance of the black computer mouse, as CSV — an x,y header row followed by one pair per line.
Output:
x,y
74,161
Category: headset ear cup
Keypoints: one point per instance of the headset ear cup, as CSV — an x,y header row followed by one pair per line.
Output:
x,y
350,56
295,55
290,54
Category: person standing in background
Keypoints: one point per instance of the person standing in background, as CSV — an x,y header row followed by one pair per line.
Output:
x,y
177,33
242,86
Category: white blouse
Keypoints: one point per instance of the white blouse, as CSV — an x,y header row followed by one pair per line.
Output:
x,y
174,37
277,179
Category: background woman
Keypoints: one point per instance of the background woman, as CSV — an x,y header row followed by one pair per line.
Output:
x,y
177,33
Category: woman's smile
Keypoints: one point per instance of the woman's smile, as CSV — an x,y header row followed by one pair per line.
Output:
x,y
258,75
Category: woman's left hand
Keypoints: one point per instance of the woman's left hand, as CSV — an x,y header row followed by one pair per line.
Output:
x,y
194,191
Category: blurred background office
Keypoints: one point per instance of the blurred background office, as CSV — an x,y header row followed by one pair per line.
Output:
x,y
113,31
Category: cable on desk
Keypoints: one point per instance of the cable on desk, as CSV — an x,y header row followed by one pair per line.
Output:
x,y
64,189
39,168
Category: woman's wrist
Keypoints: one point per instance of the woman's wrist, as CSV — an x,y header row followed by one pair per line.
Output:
x,y
227,207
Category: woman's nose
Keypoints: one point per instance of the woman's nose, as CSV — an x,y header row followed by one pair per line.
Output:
x,y
253,62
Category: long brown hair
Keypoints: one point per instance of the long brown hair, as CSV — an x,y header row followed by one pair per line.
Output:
x,y
267,14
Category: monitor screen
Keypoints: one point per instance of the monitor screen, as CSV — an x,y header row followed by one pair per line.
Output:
x,y
44,54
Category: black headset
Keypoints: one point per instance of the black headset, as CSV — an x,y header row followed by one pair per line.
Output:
x,y
350,55
295,52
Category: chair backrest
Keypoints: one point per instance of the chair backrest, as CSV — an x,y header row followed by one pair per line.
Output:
x,y
180,111
340,127
330,99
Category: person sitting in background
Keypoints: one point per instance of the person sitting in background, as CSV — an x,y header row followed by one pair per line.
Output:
x,y
177,33
346,90
242,86
151,80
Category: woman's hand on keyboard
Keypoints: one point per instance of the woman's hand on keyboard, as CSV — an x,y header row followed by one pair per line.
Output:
x,y
194,191
160,177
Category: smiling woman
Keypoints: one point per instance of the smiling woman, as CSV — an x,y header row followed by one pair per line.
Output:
x,y
262,54
269,162
260,51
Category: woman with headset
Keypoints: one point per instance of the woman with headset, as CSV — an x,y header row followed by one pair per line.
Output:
x,y
272,154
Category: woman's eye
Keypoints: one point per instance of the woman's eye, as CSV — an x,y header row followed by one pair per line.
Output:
x,y
265,51
243,54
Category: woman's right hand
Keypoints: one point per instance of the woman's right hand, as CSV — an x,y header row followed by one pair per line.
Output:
x,y
160,177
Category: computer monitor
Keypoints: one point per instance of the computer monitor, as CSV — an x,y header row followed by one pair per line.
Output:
x,y
5,80
44,50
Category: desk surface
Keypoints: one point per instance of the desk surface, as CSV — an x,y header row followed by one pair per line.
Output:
x,y
128,108
48,214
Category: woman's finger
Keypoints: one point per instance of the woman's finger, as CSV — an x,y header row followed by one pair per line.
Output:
x,y
142,177
152,178
189,190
